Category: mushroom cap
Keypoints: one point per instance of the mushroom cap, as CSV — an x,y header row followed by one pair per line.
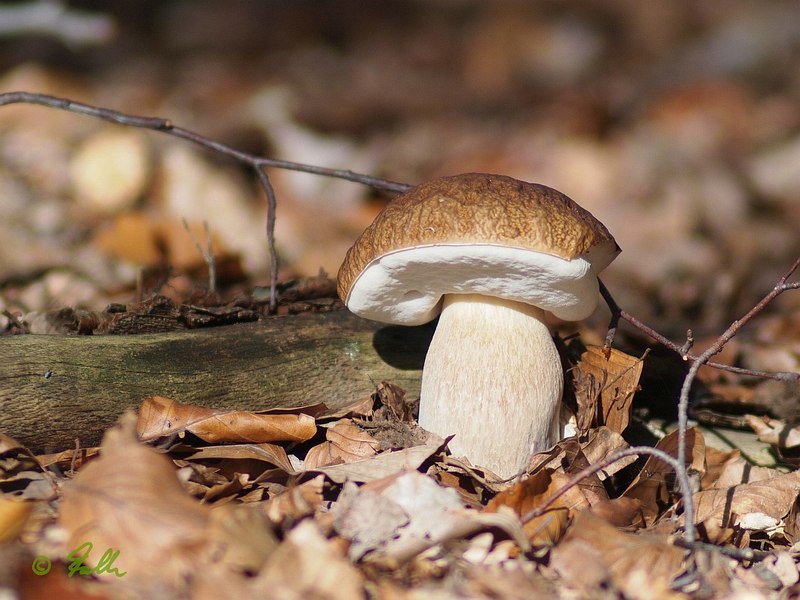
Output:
x,y
480,234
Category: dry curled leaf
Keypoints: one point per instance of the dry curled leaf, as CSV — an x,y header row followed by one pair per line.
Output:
x,y
129,499
296,502
653,483
533,492
346,442
605,386
774,431
159,417
594,554
758,506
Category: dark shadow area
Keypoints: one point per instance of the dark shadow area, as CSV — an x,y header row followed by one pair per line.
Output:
x,y
404,347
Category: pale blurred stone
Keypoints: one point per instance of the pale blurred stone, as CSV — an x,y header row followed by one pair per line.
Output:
x,y
774,171
197,190
110,170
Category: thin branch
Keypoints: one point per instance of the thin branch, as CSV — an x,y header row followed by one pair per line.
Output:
x,y
617,313
740,554
272,206
166,126
676,464
717,346
207,253
259,163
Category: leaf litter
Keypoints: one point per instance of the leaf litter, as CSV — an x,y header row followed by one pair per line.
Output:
x,y
319,503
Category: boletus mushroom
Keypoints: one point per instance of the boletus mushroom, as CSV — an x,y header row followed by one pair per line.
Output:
x,y
489,255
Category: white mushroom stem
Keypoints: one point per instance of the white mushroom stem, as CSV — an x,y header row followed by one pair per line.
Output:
x,y
492,377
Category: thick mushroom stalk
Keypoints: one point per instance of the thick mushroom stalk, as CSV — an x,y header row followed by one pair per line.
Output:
x,y
492,377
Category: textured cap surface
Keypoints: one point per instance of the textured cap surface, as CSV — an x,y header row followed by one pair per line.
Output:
x,y
476,233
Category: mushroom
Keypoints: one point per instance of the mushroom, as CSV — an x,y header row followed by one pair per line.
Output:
x,y
489,255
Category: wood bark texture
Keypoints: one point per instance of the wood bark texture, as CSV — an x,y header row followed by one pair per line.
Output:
x,y
56,389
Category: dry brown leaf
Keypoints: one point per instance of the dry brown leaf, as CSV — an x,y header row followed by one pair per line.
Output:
x,y
623,513
68,459
296,502
379,466
352,440
756,506
13,516
715,463
268,453
346,442
601,442
322,455
159,417
360,408
605,387
130,500
507,581
21,475
306,565
546,529
567,457
7,443
641,566
369,519
737,470
405,514
774,431
243,535
651,487
570,456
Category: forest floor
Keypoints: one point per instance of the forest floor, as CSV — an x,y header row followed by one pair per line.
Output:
x,y
675,124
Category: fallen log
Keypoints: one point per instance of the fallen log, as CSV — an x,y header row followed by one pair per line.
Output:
x,y
55,390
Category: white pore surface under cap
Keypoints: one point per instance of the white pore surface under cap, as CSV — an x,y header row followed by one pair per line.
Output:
x,y
406,287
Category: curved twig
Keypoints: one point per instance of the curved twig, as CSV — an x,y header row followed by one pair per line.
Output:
x,y
618,314
677,466
258,163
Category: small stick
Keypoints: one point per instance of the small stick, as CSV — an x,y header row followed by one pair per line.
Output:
x,y
272,207
676,464
207,254
258,163
718,345
166,126
740,554
617,313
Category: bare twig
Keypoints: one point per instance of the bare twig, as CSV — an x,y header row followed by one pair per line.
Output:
x,y
676,464
679,464
741,554
272,207
718,345
207,253
166,126
258,163
617,313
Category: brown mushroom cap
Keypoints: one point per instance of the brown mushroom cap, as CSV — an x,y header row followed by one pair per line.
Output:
x,y
475,211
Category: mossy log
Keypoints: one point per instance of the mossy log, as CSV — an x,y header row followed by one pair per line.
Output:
x,y
55,390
